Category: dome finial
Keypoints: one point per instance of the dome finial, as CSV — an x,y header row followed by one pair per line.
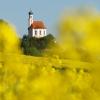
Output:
x,y
30,12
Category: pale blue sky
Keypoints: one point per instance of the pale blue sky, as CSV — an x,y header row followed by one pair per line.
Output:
x,y
16,11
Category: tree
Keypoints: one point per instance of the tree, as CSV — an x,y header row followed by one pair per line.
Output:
x,y
37,46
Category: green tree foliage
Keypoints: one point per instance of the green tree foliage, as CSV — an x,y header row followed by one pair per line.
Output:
x,y
37,46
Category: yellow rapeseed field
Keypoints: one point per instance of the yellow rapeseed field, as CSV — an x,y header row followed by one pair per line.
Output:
x,y
73,72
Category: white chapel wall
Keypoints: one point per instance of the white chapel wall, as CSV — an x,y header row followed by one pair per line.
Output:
x,y
39,33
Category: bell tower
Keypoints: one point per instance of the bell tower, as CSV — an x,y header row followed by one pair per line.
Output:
x,y
30,20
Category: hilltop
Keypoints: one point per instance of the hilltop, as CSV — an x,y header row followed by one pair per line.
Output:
x,y
37,46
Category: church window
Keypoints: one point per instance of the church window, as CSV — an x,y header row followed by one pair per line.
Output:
x,y
44,32
40,32
35,32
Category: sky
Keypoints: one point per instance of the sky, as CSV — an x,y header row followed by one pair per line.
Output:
x,y
49,11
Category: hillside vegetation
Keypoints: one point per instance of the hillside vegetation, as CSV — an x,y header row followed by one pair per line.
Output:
x,y
37,46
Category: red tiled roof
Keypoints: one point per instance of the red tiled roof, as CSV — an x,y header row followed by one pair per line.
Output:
x,y
38,25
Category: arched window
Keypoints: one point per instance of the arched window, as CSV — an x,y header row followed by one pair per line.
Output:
x,y
40,32
44,32
35,32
